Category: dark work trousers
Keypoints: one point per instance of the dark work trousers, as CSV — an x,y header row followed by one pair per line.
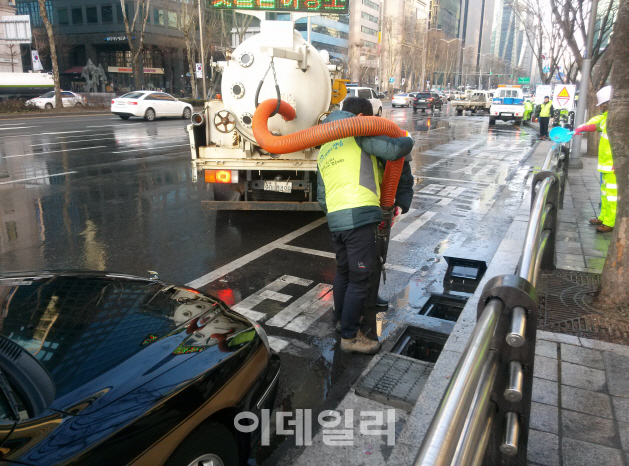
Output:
x,y
355,260
543,126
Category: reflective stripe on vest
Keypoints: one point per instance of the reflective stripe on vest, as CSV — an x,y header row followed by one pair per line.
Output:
x,y
350,175
612,198
605,168
604,135
611,186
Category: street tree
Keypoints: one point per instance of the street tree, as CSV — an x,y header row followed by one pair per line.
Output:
x,y
392,41
53,52
140,7
614,288
186,23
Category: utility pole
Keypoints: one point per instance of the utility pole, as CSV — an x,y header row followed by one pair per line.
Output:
x,y
202,49
575,147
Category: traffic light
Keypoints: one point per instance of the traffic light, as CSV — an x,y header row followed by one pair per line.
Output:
x,y
498,75
511,76
491,72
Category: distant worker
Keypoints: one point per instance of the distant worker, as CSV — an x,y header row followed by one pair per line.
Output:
x,y
609,195
545,112
349,193
528,108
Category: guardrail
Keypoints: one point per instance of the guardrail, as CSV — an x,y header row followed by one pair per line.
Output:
x,y
483,417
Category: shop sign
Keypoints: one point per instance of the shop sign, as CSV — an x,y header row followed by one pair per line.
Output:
x,y
116,39
121,69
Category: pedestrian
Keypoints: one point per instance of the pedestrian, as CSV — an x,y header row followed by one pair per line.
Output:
x,y
546,110
609,195
349,193
528,108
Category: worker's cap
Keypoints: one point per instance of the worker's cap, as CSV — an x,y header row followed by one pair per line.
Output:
x,y
546,97
604,95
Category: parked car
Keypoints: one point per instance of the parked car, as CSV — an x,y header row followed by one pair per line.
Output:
x,y
68,99
427,101
401,100
150,105
100,368
369,94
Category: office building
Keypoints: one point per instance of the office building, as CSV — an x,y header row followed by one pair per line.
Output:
x,y
446,16
364,28
10,55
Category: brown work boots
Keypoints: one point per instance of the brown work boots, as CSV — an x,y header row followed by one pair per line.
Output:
x,y
360,344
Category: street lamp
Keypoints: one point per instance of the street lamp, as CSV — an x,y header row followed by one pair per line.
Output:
x,y
448,55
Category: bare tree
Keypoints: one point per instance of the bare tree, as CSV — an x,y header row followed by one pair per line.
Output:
x,y
187,21
136,51
170,56
53,52
242,26
613,291
392,46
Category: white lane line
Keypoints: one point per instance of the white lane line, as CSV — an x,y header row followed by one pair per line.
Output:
x,y
400,268
413,227
12,124
314,252
445,201
300,305
106,126
448,179
117,138
236,264
403,216
277,344
46,152
18,127
148,148
322,305
37,177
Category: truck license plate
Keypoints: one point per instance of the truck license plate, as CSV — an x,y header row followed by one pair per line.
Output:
x,y
278,186
507,114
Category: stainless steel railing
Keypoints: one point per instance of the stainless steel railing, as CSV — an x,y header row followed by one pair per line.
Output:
x,y
483,415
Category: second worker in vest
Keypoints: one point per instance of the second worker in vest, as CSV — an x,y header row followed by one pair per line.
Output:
x,y
545,111
349,176
609,193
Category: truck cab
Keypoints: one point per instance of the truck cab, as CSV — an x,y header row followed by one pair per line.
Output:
x,y
507,105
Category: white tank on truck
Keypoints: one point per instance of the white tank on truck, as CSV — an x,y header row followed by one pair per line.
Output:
x,y
25,85
224,150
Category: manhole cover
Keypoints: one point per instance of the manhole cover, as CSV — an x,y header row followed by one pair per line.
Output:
x,y
566,299
395,380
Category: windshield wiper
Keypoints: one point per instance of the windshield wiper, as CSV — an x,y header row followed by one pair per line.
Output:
x,y
6,390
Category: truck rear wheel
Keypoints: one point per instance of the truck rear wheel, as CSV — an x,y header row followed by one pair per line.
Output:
x,y
492,121
459,112
518,121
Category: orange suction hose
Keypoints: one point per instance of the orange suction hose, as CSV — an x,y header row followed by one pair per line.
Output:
x,y
326,132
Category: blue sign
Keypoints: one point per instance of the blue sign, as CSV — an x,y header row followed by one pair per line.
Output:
x,y
546,69
391,80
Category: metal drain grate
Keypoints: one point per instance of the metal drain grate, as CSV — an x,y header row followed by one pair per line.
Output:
x,y
395,380
566,299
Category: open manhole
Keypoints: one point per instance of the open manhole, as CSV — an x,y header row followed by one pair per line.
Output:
x,y
446,307
463,275
421,344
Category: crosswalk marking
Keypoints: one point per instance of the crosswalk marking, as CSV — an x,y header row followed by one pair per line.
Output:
x,y
277,344
307,302
413,227
322,305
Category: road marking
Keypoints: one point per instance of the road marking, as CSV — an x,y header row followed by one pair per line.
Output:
x,y
134,138
18,127
309,315
309,302
236,264
445,201
399,268
314,252
277,344
46,152
106,126
148,148
37,177
448,179
413,227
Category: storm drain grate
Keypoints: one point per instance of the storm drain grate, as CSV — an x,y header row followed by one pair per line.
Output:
x,y
395,380
566,299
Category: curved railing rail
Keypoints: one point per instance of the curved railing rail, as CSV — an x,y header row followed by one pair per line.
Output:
x,y
484,414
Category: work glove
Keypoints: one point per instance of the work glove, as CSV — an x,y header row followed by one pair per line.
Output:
x,y
585,129
397,211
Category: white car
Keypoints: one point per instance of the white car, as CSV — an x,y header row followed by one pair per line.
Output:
x,y
402,100
150,105
369,94
47,101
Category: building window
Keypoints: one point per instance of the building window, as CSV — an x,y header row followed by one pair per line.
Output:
x,y
32,9
107,14
366,30
63,17
129,8
366,43
77,16
370,4
91,15
340,18
172,19
158,16
330,48
369,17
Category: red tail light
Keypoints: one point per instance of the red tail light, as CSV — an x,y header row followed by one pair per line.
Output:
x,y
221,176
132,103
112,101
430,99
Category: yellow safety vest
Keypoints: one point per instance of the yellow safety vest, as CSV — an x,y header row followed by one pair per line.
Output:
x,y
545,109
350,175
605,159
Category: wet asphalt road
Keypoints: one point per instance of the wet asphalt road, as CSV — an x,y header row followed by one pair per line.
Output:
x,y
96,192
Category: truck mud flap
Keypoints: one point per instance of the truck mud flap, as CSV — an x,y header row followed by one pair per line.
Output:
x,y
260,205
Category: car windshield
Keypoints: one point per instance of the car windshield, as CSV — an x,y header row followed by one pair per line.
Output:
x,y
48,95
423,95
131,95
79,327
401,95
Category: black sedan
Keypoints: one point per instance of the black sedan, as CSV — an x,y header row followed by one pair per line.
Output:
x,y
108,369
427,100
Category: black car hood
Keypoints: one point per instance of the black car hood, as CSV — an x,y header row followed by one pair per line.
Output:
x,y
103,335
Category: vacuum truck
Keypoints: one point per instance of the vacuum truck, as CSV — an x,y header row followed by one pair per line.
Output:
x,y
25,85
275,64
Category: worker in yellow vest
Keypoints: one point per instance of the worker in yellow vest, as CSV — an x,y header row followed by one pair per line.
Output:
x,y
545,112
349,176
609,190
